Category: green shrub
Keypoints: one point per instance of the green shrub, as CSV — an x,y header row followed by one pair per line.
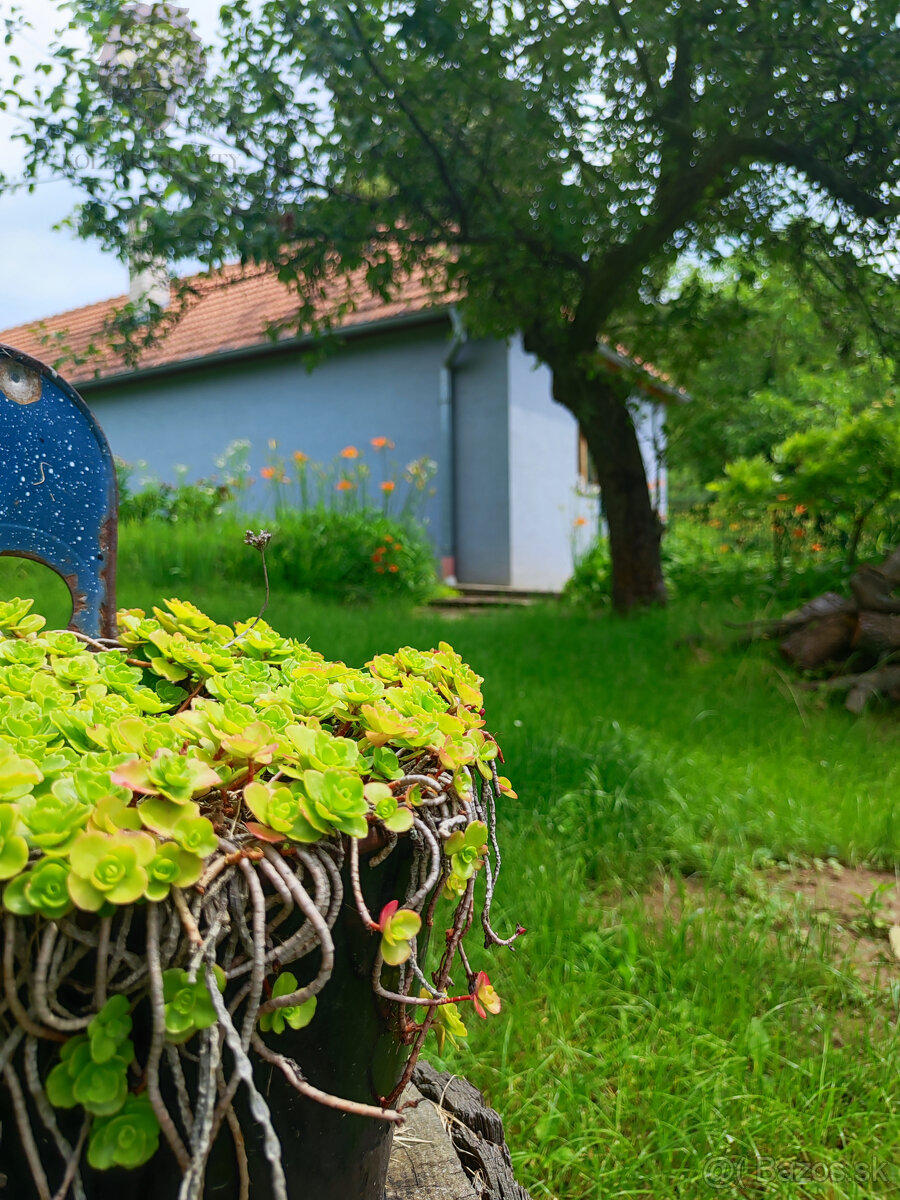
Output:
x,y
713,558
828,486
591,580
202,500
346,555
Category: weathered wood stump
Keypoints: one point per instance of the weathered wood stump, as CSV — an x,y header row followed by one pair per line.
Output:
x,y
452,1146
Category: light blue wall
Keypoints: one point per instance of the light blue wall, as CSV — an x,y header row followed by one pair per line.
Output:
x,y
544,499
515,487
384,386
380,385
482,463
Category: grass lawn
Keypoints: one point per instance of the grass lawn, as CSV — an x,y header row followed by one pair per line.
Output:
x,y
700,1007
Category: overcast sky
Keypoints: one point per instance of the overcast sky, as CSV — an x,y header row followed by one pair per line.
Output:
x,y
46,271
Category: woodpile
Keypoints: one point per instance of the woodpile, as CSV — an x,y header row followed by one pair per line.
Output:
x,y
856,637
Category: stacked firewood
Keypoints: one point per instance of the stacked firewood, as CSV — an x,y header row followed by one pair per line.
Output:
x,y
857,637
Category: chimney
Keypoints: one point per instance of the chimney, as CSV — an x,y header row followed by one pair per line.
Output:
x,y
148,274
149,285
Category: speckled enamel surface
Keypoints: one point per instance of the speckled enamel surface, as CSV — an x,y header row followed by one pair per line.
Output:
x,y
57,486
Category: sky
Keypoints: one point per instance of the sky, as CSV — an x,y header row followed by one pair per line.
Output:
x,y
47,270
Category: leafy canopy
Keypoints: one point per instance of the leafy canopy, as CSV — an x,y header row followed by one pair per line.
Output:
x,y
552,160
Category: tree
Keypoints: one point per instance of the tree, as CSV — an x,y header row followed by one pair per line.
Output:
x,y
764,356
551,162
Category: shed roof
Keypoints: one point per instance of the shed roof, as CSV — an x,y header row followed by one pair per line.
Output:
x,y
235,310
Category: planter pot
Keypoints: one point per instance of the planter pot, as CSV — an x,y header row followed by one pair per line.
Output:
x,y
349,1050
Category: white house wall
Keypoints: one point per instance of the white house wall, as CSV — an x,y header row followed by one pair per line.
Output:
x,y
545,498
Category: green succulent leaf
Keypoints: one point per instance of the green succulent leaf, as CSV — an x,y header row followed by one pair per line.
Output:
x,y
187,1004
13,847
42,889
398,928
109,1029
129,1138
296,1015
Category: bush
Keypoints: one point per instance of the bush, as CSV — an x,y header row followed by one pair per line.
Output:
x,y
714,558
591,580
202,500
346,555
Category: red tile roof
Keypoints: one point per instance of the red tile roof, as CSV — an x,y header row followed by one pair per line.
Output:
x,y
231,310
234,309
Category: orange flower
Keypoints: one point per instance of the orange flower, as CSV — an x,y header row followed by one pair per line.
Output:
x,y
299,457
267,472
380,442
349,452
380,570
799,533
388,485
393,568
344,485
579,521
724,548
799,510
782,496
817,546
715,524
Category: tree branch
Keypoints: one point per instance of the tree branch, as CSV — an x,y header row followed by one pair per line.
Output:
x,y
839,185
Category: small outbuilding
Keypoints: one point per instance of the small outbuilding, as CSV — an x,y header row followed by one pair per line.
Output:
x,y
513,503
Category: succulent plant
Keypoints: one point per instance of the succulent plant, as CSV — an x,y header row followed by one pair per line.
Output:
x,y
198,787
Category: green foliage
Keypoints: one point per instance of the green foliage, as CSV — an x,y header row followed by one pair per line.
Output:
x,y
346,528
841,475
772,350
197,501
188,1007
583,159
296,1015
116,780
329,554
591,580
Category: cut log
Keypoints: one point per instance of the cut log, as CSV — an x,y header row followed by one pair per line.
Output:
x,y
424,1163
877,634
861,688
873,590
820,640
476,1132
890,568
884,682
821,606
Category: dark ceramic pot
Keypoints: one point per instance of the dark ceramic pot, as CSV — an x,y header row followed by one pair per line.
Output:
x,y
349,1049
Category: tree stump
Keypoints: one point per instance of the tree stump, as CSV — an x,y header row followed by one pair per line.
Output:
x,y
452,1146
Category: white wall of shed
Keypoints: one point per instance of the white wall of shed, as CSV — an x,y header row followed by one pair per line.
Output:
x,y
543,478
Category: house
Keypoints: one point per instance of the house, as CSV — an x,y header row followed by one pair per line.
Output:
x,y
513,498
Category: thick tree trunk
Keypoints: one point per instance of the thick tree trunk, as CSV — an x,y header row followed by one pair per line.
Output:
x,y
634,527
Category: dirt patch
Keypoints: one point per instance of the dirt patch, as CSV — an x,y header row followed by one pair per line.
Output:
x,y
850,894
856,905
850,910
